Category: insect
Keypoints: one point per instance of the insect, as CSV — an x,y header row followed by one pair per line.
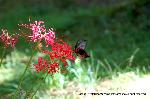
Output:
x,y
80,48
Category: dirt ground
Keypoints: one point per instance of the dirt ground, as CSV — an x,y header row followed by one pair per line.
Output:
x,y
127,83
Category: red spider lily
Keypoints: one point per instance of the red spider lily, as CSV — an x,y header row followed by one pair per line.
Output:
x,y
62,51
43,65
7,40
39,31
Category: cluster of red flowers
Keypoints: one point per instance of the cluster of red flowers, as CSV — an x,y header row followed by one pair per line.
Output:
x,y
43,65
7,40
60,50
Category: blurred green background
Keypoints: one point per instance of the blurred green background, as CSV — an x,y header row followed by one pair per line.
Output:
x,y
117,31
114,29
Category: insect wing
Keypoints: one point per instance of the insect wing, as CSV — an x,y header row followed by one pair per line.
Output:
x,y
81,44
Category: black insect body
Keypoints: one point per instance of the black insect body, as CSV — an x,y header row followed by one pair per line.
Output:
x,y
80,48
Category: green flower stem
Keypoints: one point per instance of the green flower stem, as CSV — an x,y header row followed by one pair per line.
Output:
x,y
28,64
32,88
3,53
28,92
39,86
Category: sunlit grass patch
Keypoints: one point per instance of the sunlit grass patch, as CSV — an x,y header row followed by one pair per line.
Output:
x,y
128,82
8,74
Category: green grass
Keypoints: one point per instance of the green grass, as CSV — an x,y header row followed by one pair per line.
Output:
x,y
81,74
